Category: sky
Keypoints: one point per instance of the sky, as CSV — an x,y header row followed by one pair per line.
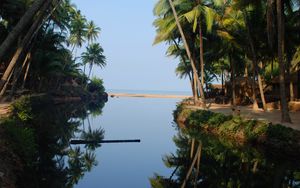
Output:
x,y
127,35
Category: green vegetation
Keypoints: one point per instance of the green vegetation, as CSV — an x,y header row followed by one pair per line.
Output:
x,y
277,137
234,41
38,48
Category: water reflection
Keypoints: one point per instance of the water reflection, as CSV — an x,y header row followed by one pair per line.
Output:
x,y
56,162
224,163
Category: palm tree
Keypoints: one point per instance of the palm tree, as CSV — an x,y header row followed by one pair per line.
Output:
x,y
285,117
92,32
78,31
93,56
187,48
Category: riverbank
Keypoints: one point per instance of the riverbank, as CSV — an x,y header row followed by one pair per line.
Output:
x,y
273,116
276,137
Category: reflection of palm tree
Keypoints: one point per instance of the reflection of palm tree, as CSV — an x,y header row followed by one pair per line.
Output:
x,y
93,135
90,160
76,166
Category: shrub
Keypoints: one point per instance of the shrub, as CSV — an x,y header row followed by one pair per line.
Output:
x,y
217,119
281,133
22,108
96,85
199,117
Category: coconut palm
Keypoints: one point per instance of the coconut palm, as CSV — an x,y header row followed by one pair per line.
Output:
x,y
93,56
92,32
78,31
285,117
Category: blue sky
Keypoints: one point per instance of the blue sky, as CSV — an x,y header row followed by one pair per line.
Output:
x,y
127,35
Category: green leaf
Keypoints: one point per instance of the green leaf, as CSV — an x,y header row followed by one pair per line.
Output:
x,y
209,16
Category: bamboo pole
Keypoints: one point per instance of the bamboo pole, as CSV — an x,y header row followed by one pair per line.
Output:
x,y
76,142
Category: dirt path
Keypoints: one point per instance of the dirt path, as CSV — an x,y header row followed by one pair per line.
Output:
x,y
4,109
273,116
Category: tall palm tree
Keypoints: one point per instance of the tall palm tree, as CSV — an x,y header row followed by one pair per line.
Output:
x,y
92,34
285,117
78,31
187,48
93,56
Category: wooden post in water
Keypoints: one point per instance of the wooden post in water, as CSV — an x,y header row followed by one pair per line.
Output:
x,y
76,142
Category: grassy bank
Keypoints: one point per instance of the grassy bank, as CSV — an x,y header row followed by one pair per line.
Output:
x,y
275,137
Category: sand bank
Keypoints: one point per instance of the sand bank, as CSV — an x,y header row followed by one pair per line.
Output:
x,y
148,95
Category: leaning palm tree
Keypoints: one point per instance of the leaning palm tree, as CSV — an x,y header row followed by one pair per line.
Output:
x,y
186,46
93,56
20,27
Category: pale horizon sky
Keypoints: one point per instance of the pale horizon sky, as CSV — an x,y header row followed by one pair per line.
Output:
x,y
127,34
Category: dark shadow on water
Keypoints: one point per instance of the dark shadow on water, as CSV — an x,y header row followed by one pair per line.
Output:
x,y
56,163
225,163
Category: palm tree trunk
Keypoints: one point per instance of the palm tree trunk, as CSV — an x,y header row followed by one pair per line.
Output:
x,y
222,80
195,95
261,90
254,62
291,85
285,116
25,43
17,75
188,53
6,84
26,72
183,58
19,28
201,52
232,77
254,100
91,67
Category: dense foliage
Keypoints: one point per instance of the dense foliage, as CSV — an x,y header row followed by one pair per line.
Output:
x,y
38,53
234,40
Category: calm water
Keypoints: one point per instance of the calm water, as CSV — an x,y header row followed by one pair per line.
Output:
x,y
161,159
132,164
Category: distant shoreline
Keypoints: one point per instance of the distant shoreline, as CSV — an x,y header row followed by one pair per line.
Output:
x,y
149,95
